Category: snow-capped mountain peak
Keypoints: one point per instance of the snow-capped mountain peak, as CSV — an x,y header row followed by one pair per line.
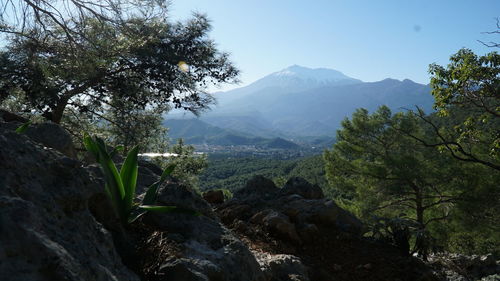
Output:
x,y
317,74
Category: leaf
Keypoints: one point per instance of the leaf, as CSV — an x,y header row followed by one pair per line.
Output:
x,y
91,146
161,209
137,213
170,209
113,179
128,174
115,150
22,129
151,193
167,172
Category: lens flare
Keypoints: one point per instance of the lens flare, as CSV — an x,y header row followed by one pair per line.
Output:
x,y
183,66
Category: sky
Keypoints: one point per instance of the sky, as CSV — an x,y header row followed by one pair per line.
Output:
x,y
368,40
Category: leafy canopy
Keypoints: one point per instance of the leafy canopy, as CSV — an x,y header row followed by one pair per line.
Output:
x,y
467,96
388,174
148,62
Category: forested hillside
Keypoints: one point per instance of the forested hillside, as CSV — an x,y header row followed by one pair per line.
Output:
x,y
233,173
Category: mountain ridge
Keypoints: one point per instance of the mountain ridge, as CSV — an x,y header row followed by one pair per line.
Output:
x,y
301,101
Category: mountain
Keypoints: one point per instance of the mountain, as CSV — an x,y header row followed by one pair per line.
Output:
x,y
289,80
303,102
195,131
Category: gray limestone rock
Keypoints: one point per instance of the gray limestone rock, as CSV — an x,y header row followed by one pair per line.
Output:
x,y
209,251
282,267
47,231
300,186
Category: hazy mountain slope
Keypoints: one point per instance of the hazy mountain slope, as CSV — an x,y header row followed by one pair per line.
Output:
x,y
195,131
320,111
187,128
299,101
292,79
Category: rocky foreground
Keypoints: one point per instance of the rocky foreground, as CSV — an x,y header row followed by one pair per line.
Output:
x,y
56,223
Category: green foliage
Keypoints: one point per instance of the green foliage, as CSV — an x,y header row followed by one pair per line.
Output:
x,y
279,181
381,168
136,63
386,172
22,129
120,186
467,96
188,164
233,172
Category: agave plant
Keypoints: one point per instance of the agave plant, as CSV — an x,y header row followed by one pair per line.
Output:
x,y
121,186
22,129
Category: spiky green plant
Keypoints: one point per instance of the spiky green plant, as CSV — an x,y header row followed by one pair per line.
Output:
x,y
121,186
22,129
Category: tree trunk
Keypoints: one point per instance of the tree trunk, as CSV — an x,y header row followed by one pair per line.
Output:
x,y
421,243
57,113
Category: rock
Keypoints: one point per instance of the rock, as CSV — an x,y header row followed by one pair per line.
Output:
x,y
308,232
48,134
214,196
53,136
300,186
257,189
281,226
282,267
494,277
47,231
323,212
148,174
231,212
7,116
209,251
462,267
174,193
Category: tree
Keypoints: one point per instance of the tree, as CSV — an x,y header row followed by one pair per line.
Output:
x,y
467,97
188,164
145,61
26,17
120,125
388,173
492,44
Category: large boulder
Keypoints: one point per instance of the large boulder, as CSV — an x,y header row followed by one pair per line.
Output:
x,y
257,189
298,203
47,133
462,267
53,136
297,234
206,250
298,185
214,196
47,231
282,267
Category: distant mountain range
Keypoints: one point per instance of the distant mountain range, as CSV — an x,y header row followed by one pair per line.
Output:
x,y
195,131
300,102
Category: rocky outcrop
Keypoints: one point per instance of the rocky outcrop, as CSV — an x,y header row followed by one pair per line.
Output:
x,y
297,234
205,249
47,133
456,267
56,224
299,209
214,196
47,231
281,267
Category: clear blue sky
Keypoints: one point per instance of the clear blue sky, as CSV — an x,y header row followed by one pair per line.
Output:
x,y
369,40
